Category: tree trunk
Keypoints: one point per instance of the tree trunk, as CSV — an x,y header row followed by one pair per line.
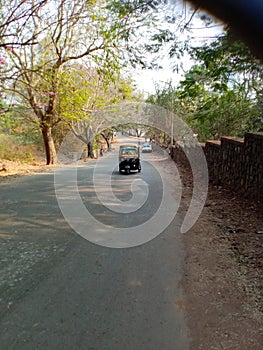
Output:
x,y
107,139
51,154
90,150
108,144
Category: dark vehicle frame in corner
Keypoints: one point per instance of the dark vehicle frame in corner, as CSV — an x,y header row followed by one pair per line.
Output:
x,y
129,158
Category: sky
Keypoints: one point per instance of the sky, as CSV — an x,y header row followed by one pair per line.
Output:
x,y
146,80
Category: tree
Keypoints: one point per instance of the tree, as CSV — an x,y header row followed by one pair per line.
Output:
x,y
101,93
221,94
226,85
12,13
62,32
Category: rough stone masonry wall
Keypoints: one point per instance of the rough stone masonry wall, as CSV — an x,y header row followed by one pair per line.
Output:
x,y
233,162
237,163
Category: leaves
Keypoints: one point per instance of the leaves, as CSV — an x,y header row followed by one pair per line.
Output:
x,y
222,92
55,39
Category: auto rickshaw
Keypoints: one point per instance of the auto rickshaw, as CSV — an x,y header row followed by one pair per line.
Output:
x,y
129,158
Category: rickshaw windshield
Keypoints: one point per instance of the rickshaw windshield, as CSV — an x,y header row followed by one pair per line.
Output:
x,y
128,151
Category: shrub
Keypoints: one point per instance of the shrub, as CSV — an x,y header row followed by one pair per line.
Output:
x,y
11,149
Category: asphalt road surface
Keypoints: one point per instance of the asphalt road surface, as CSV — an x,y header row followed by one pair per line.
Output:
x,y
62,289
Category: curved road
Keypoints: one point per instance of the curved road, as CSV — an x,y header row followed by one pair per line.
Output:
x,y
59,290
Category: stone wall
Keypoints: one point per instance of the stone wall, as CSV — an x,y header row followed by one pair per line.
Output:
x,y
236,163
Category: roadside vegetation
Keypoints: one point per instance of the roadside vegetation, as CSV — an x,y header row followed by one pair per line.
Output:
x,y
221,94
62,60
12,149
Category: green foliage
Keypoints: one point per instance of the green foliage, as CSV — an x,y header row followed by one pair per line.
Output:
x,y
7,123
80,91
165,97
29,134
126,7
226,56
222,94
85,33
74,92
226,114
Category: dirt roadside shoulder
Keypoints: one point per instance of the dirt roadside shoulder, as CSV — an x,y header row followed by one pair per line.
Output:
x,y
223,274
11,170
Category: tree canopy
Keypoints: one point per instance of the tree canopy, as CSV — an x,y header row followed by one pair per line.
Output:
x,y
221,94
42,40
61,59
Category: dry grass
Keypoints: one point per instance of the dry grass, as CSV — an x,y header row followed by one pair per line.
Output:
x,y
18,159
11,149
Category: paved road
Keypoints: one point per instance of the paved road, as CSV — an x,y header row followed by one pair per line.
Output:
x,y
61,291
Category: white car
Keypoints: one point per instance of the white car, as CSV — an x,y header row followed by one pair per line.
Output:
x,y
147,148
